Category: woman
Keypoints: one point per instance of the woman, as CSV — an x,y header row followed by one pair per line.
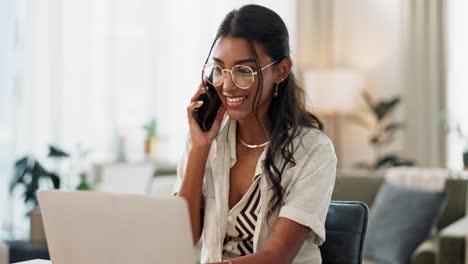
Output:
x,y
258,183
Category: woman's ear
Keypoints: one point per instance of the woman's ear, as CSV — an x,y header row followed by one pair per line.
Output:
x,y
283,70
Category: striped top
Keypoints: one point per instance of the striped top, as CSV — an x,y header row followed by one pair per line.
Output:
x,y
241,222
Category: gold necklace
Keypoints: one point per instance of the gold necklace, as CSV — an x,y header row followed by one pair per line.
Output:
x,y
248,155
253,146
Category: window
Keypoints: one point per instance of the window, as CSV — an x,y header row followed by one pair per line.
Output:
x,y
8,63
457,78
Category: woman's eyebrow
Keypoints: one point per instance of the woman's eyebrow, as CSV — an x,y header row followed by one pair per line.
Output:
x,y
237,62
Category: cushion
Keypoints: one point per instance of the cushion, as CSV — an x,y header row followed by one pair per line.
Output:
x,y
400,220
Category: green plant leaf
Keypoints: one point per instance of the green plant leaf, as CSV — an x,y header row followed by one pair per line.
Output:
x,y
33,185
37,172
383,108
55,180
374,140
392,160
55,152
394,126
387,160
369,101
31,167
150,128
21,161
38,169
408,163
29,196
21,169
386,138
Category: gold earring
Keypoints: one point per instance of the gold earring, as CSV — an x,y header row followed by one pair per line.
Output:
x,y
275,93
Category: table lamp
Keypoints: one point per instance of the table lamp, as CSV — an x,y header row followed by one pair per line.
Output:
x,y
334,93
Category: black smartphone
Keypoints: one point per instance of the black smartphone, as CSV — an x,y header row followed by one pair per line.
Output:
x,y
206,114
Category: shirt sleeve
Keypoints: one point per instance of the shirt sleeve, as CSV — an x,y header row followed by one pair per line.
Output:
x,y
307,199
181,166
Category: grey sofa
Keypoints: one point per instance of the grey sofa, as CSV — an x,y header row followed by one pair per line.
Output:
x,y
448,245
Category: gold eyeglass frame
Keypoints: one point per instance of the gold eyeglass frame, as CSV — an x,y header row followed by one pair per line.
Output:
x,y
232,77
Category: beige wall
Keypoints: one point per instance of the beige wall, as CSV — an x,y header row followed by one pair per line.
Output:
x,y
365,35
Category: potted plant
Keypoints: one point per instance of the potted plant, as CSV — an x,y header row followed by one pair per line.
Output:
x,y
82,155
29,172
151,138
383,128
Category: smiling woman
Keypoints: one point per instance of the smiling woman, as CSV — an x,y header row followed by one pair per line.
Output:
x,y
89,69
259,182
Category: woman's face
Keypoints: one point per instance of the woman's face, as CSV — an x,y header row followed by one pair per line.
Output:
x,y
230,52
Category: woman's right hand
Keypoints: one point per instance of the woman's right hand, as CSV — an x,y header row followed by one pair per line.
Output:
x,y
201,139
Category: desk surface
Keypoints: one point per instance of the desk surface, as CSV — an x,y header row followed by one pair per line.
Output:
x,y
36,261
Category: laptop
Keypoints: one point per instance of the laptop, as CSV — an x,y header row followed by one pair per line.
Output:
x,y
103,228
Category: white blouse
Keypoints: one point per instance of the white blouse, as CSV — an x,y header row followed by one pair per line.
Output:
x,y
307,186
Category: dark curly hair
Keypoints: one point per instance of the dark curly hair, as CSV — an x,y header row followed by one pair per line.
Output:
x,y
287,112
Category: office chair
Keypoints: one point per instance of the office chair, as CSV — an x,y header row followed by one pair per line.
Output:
x,y
345,227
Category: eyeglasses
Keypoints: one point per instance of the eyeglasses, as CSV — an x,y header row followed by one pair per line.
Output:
x,y
242,75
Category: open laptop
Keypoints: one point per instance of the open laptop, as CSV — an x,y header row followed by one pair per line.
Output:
x,y
103,228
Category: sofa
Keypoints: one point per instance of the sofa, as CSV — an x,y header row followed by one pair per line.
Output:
x,y
447,245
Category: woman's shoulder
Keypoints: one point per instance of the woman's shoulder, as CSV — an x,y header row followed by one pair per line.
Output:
x,y
313,152
312,141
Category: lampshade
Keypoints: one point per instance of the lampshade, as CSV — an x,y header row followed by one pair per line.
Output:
x,y
337,89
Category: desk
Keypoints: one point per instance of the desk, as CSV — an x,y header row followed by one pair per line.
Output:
x,y
36,261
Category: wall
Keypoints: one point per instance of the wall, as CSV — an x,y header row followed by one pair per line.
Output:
x,y
364,35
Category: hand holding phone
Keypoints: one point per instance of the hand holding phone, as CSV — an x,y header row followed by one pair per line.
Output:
x,y
204,117
206,114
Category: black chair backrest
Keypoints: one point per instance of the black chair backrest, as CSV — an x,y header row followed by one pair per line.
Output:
x,y
345,227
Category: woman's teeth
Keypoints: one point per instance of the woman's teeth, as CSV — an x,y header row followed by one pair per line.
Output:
x,y
233,102
235,99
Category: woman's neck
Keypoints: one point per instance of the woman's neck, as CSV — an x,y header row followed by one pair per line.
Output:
x,y
252,132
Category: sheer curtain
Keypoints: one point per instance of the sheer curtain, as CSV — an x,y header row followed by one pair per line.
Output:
x,y
425,81
8,71
93,69
457,79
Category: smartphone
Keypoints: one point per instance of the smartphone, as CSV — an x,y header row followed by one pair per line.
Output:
x,y
206,114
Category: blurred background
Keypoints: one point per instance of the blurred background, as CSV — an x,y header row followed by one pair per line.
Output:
x,y
93,93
